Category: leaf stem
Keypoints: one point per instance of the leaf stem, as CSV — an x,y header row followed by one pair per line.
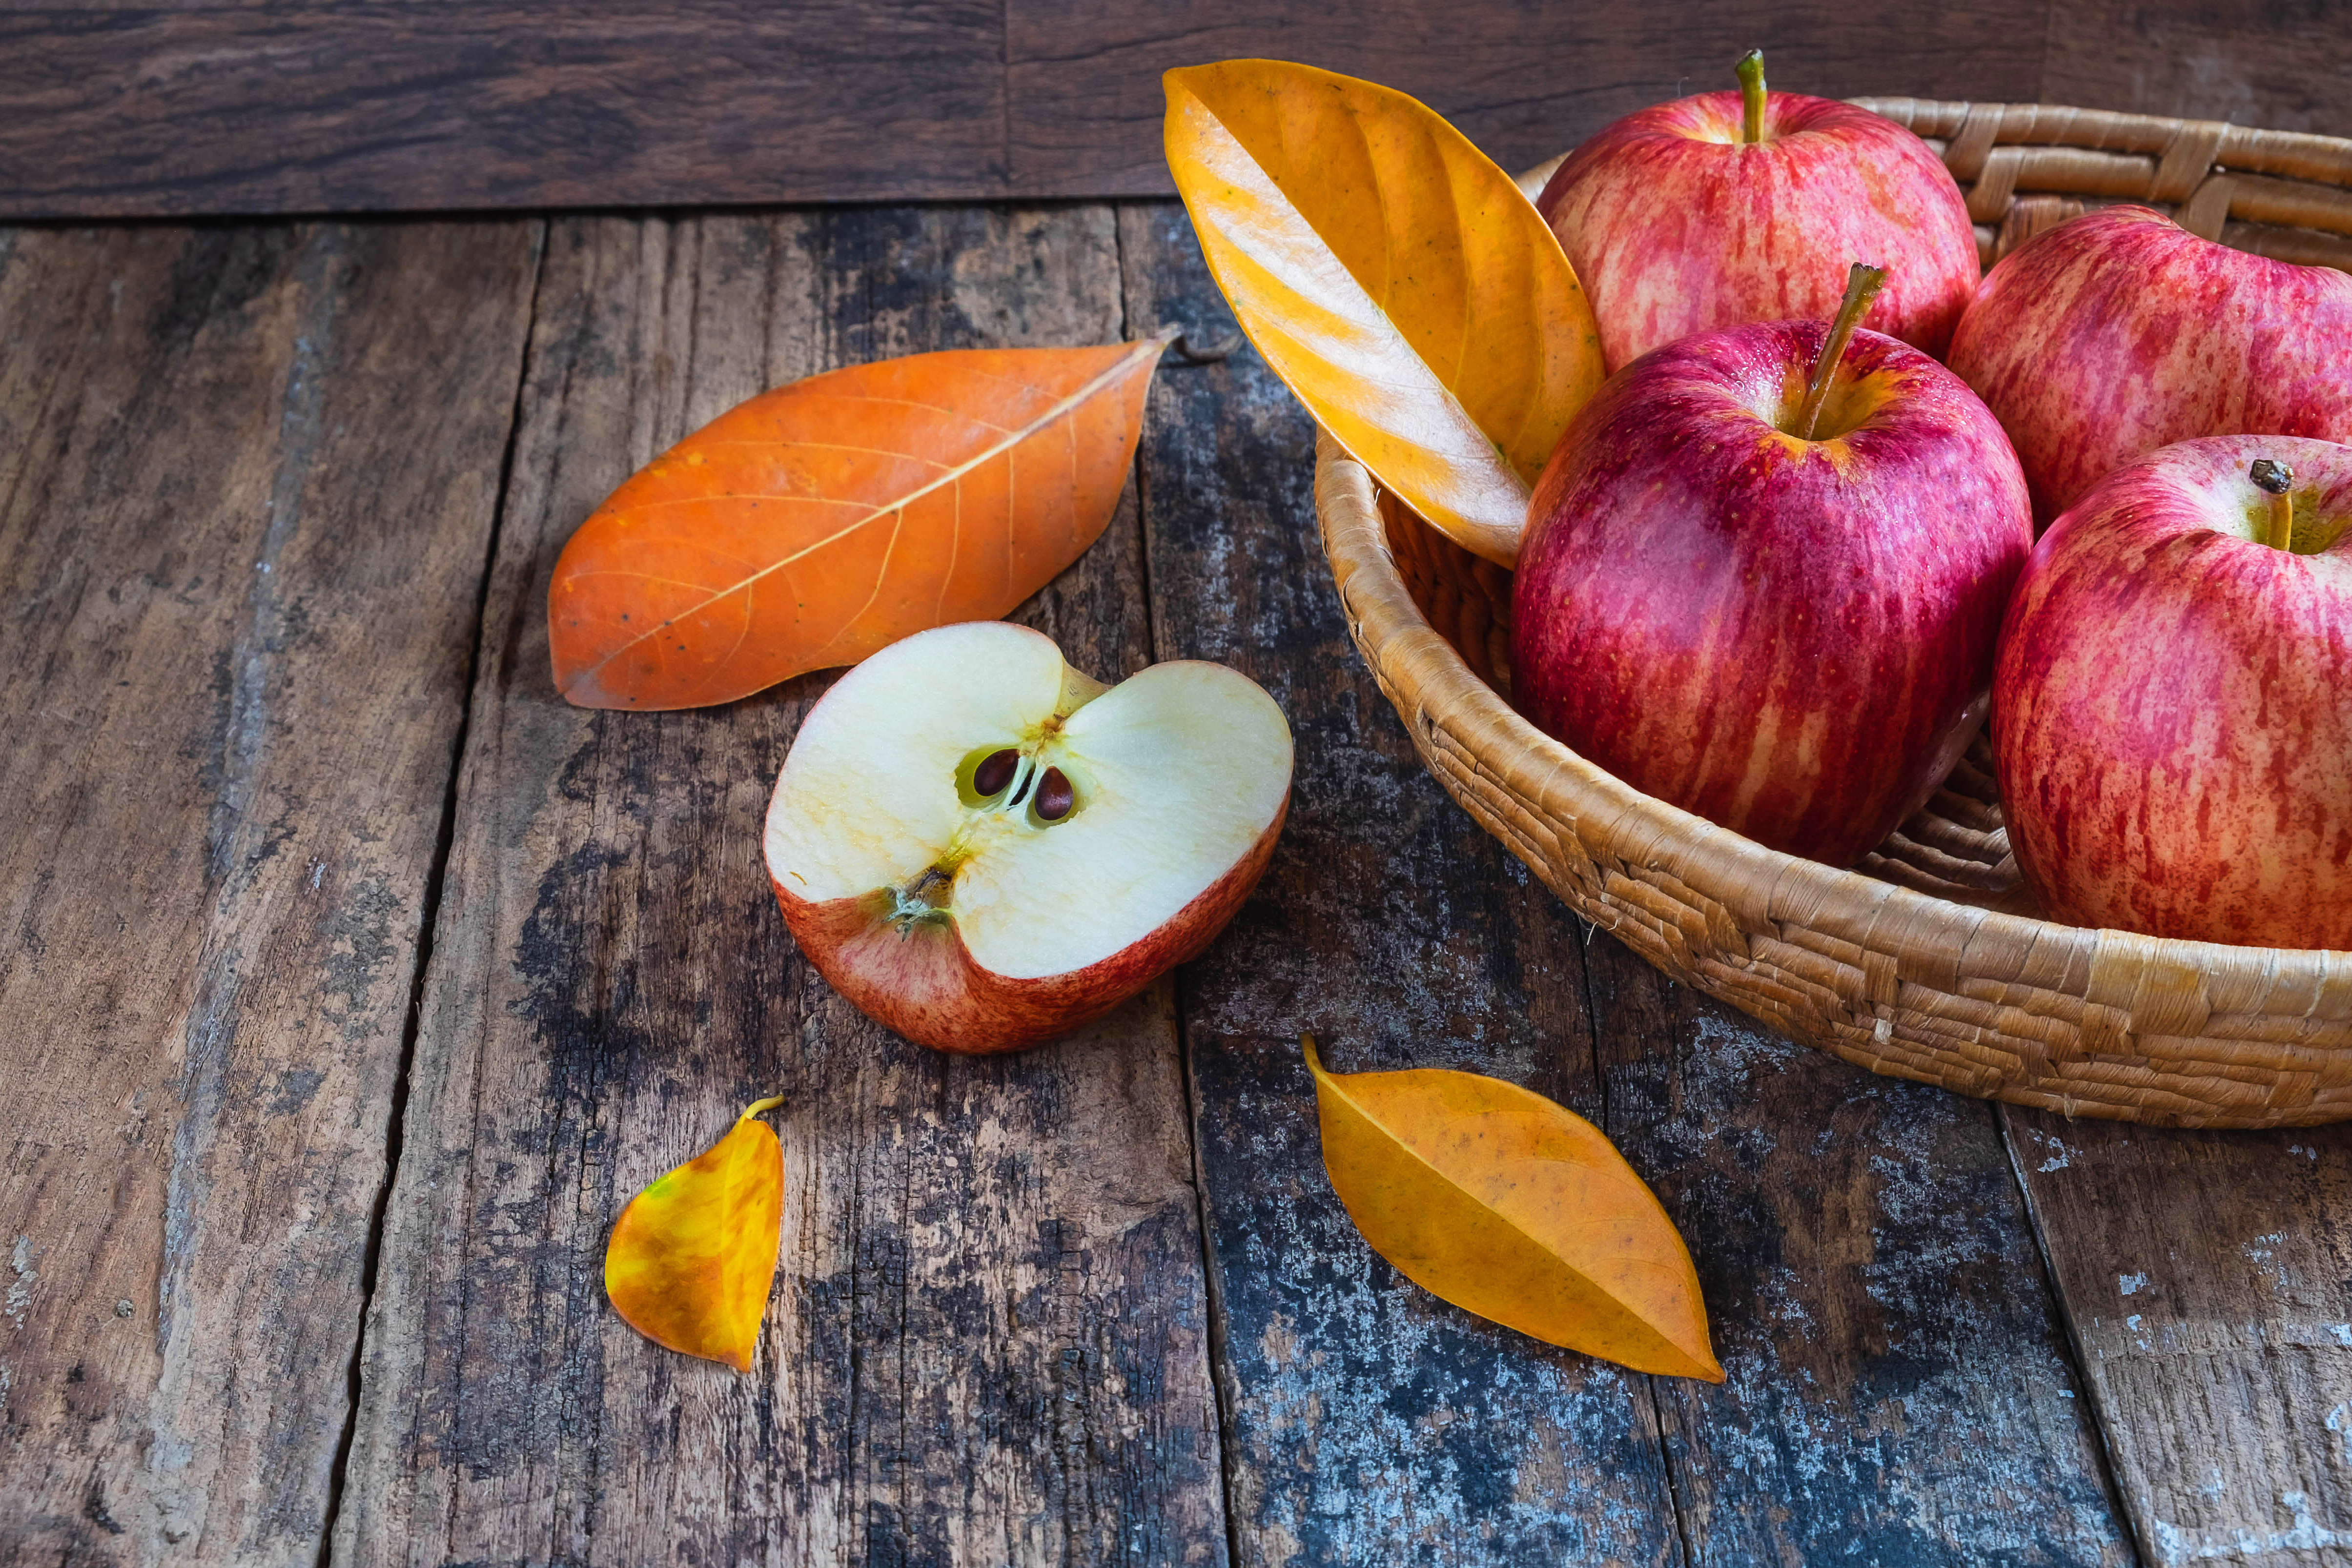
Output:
x,y
1861,284
2277,480
1750,70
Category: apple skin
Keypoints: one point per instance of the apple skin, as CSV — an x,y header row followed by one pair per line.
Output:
x,y
2172,707
1793,640
1675,226
2119,332
926,986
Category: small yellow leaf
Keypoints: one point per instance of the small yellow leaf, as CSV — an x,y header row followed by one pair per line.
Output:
x,y
1397,281
1509,1207
692,1257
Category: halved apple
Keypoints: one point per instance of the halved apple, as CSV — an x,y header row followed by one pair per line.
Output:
x,y
982,847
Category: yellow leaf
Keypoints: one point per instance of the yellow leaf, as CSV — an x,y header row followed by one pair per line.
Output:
x,y
1397,281
1511,1207
692,1257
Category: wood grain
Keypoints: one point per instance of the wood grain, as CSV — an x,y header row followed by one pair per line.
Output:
x,y
120,110
197,107
1900,1383
1523,80
2280,65
246,480
988,1341
189,107
2209,1279
1898,1386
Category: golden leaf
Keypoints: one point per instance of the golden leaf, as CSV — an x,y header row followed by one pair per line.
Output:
x,y
1509,1207
692,1257
1397,281
820,520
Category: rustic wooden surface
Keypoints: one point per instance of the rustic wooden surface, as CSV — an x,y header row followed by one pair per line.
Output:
x,y
989,1341
247,478
115,107
2209,1279
1091,1303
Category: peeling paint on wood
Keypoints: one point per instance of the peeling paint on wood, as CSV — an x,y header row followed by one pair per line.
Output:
x,y
988,1342
2209,1279
247,478
1366,1421
1898,1384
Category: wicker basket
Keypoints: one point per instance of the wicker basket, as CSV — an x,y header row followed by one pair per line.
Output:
x,y
1930,960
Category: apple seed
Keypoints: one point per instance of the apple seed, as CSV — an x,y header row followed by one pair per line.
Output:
x,y
1054,796
996,772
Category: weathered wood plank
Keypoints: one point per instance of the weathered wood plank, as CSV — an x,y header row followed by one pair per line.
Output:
x,y
246,481
1898,1388
1899,1382
2278,66
168,107
1366,1422
988,1341
1524,80
2209,1279
188,106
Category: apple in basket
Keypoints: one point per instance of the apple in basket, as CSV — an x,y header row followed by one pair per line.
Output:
x,y
981,847
2172,707
1763,577
2119,332
1732,207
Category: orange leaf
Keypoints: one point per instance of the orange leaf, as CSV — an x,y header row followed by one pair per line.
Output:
x,y
692,1257
1511,1207
822,520
1399,283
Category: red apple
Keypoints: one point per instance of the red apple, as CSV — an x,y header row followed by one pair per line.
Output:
x,y
1679,219
982,848
2172,708
1790,636
2120,331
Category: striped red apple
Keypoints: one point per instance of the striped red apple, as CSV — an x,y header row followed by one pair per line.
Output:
x,y
1762,579
2172,707
1731,207
2120,331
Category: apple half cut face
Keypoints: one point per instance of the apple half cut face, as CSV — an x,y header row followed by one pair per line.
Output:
x,y
981,847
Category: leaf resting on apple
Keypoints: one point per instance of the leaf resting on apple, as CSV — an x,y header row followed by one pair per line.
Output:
x,y
1514,1208
982,848
1393,278
693,1255
816,522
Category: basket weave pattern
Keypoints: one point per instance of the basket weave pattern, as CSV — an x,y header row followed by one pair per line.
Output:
x,y
1928,961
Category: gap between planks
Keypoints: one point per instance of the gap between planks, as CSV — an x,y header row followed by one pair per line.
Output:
x,y
428,926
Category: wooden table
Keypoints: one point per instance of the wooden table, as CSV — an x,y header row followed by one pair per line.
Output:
x,y
351,982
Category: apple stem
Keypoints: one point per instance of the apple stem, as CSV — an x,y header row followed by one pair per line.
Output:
x,y
1750,70
2277,480
1861,284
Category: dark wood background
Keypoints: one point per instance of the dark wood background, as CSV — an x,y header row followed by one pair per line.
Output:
x,y
178,107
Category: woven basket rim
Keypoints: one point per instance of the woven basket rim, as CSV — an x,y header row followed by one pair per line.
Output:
x,y
1755,883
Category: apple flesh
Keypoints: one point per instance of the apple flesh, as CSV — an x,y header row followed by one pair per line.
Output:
x,y
982,848
1675,224
2119,332
1793,638
2172,708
